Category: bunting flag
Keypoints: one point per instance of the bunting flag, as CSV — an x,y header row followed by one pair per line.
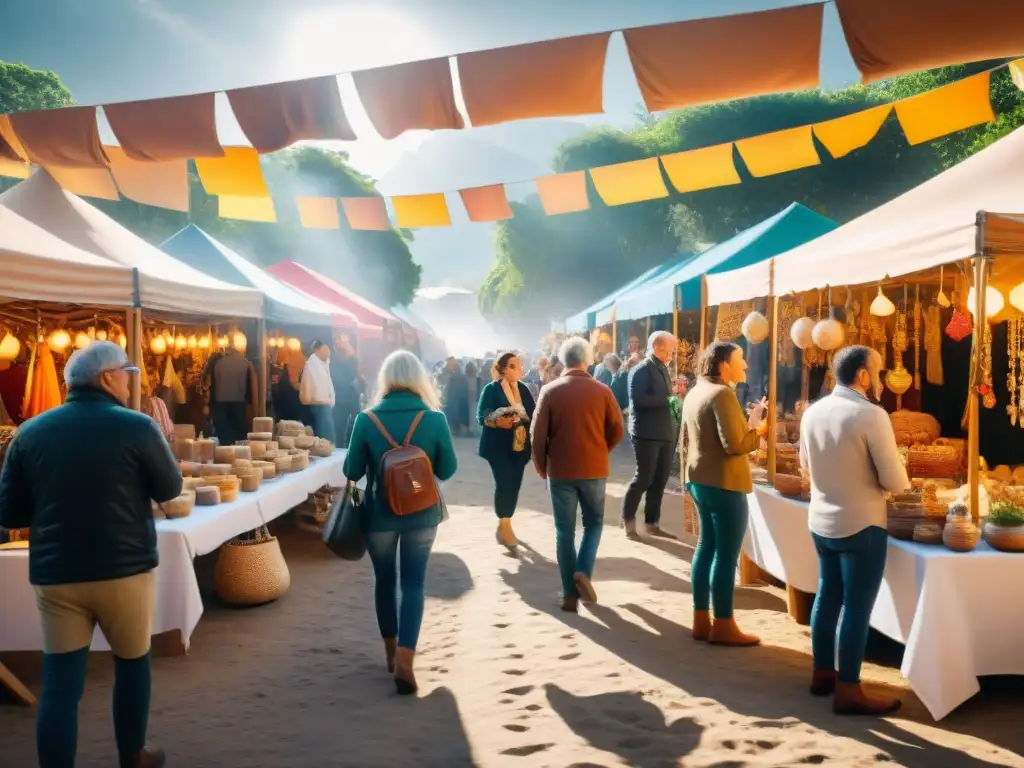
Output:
x,y
563,192
486,203
366,213
237,173
699,169
163,184
415,211
630,182
14,169
10,147
846,134
319,213
406,97
177,128
85,182
1017,73
948,109
68,138
246,208
779,152
556,78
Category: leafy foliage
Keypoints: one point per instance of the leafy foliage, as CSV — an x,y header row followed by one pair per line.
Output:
x,y
552,266
23,88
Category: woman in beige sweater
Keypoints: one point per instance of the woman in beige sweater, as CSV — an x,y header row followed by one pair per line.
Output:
x,y
715,441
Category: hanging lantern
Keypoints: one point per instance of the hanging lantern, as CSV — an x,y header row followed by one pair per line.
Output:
x,y
193,342
882,306
238,341
101,335
59,341
271,342
122,340
180,343
222,342
829,334
1017,298
158,346
801,333
82,340
204,342
10,348
294,345
994,301
755,327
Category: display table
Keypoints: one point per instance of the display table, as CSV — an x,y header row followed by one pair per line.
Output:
x,y
178,602
951,610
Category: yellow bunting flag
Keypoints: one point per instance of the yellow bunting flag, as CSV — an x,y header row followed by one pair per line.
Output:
x,y
237,173
86,182
10,144
319,213
779,152
946,110
413,211
246,208
366,213
701,168
563,192
629,182
162,184
1017,72
845,134
486,203
13,169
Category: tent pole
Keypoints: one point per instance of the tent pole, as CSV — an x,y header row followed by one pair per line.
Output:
x,y
773,342
675,325
615,328
261,378
977,342
133,330
703,313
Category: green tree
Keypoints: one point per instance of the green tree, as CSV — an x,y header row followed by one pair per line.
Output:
x,y
23,89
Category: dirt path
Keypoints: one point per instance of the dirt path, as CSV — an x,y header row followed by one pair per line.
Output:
x,y
507,679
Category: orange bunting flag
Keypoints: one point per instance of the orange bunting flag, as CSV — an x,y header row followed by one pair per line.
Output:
x,y
630,182
850,132
779,152
237,173
68,137
319,213
246,208
85,182
415,211
406,97
366,213
563,192
946,110
486,203
14,169
10,146
699,169
161,184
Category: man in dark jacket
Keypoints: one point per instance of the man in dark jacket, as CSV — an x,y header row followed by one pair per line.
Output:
x,y
652,433
82,477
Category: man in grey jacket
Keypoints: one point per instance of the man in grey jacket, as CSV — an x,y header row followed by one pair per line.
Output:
x,y
652,434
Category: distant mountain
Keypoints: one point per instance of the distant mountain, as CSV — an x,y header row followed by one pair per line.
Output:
x,y
461,256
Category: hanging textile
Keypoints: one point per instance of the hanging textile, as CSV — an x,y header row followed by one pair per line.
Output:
x,y
10,146
779,152
172,382
486,203
563,192
161,184
630,182
698,169
946,110
45,392
238,172
85,182
176,128
843,135
319,212
407,97
415,211
366,213
67,137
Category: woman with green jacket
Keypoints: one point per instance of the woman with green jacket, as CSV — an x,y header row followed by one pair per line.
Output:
x,y
400,544
505,411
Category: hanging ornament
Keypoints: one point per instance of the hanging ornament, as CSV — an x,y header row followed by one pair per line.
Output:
x,y
82,340
238,341
180,343
158,346
205,341
59,341
898,379
994,301
942,300
828,334
223,342
801,333
101,335
755,328
917,337
294,345
882,306
122,340
10,348
193,342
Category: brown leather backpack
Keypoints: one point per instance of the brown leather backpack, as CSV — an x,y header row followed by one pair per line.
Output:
x,y
406,472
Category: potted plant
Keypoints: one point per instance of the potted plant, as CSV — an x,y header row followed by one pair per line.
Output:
x,y
1004,527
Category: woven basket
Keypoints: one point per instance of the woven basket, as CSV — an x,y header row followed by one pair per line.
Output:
x,y
933,461
251,572
960,535
1004,538
789,485
928,533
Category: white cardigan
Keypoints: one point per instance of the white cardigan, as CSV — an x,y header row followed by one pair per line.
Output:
x,y
316,387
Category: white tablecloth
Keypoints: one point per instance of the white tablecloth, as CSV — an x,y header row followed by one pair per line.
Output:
x,y
178,602
951,610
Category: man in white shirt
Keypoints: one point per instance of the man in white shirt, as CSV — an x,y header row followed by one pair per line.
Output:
x,y
316,391
848,447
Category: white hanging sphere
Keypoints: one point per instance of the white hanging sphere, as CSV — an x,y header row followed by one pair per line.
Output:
x,y
755,327
801,333
829,334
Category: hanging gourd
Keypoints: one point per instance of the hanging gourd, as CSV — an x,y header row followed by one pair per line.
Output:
x,y
755,327
10,348
829,334
58,341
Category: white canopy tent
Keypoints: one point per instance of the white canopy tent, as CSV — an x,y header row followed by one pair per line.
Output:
x,y
164,283
932,224
38,266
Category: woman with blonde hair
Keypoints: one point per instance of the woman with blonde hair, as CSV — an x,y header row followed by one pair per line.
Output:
x,y
408,409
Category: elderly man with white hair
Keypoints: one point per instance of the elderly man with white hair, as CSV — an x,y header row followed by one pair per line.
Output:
x,y
652,433
82,476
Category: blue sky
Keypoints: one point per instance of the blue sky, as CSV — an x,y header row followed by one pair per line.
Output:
x,y
117,50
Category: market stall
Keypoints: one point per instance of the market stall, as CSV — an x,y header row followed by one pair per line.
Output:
x,y
935,284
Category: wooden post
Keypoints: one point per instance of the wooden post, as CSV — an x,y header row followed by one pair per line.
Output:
x,y
675,325
773,344
703,313
977,342
261,369
133,330
615,335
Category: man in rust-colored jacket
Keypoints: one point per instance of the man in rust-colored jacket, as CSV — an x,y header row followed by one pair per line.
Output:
x,y
576,424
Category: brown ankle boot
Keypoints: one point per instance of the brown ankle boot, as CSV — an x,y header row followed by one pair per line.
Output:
x,y
149,757
570,604
405,680
725,632
701,625
823,682
852,699
390,644
505,535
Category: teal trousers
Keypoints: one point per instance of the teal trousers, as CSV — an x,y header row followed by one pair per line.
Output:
x,y
723,522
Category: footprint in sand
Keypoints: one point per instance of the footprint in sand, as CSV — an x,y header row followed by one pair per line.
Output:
x,y
522,690
568,656
533,707
516,728
567,636
510,645
500,626
514,672
813,760
613,674
532,749
515,656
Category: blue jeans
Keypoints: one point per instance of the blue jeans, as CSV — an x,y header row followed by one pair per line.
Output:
x,y
850,575
323,422
566,496
723,522
407,552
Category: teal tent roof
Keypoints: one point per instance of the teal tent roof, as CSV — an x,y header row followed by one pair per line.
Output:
x,y
785,230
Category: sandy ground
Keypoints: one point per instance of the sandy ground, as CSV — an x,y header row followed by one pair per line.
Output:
x,y
509,680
